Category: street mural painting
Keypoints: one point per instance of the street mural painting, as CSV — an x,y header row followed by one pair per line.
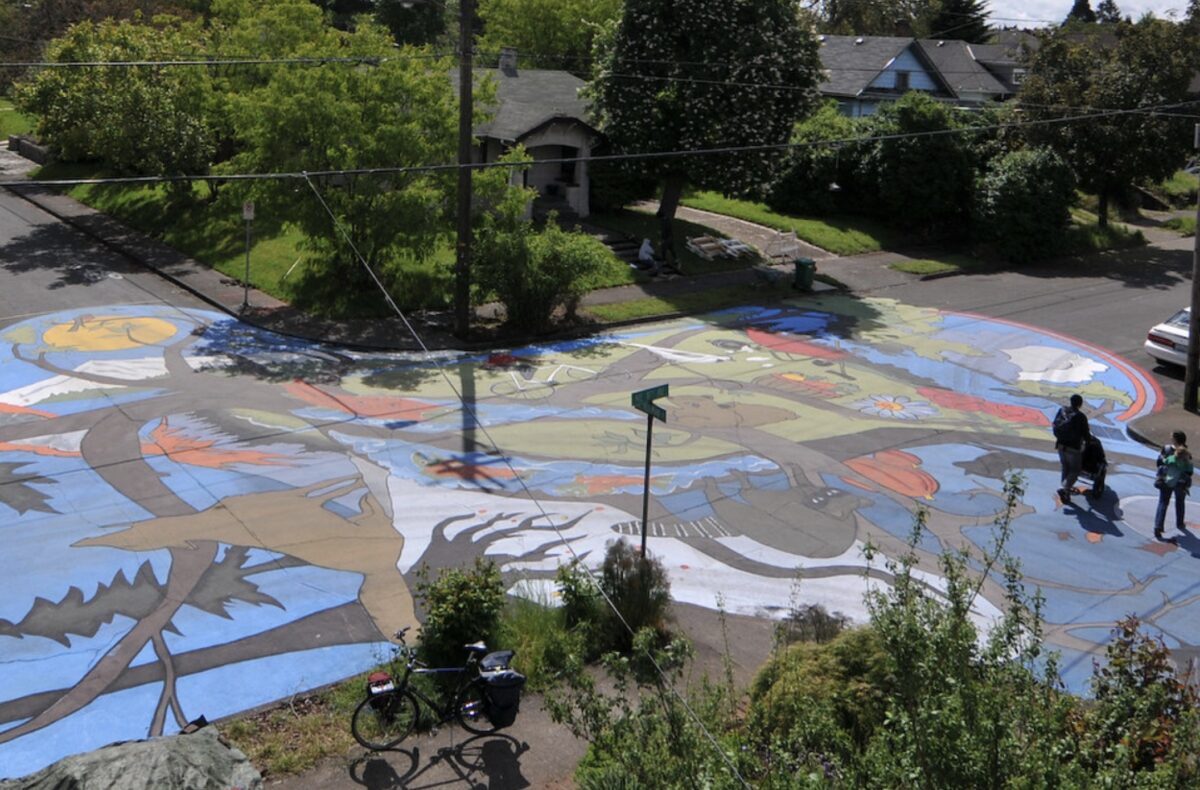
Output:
x,y
200,517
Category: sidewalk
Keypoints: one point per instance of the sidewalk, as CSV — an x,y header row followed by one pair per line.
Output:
x,y
858,274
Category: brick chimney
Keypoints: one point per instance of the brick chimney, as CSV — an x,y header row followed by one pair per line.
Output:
x,y
508,61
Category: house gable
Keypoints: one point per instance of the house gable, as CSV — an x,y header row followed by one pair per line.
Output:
x,y
863,71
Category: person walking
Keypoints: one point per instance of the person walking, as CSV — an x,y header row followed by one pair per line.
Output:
x,y
1070,431
1174,477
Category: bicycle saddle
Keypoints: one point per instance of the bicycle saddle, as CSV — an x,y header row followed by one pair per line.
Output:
x,y
476,647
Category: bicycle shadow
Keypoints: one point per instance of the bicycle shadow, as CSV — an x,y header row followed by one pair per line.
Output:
x,y
481,762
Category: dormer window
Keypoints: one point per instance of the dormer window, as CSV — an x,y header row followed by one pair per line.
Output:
x,y
901,80
1018,76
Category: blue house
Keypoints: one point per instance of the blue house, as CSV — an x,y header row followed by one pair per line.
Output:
x,y
862,72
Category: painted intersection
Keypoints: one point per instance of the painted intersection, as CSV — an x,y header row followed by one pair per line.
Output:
x,y
200,517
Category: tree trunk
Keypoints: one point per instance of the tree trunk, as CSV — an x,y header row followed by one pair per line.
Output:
x,y
671,193
1102,209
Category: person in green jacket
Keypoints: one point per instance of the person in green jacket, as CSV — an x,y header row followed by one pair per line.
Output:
x,y
1174,477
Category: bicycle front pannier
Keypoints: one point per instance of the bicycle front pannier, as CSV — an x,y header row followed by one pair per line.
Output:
x,y
504,696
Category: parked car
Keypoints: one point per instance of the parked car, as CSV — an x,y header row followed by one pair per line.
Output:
x,y
1168,341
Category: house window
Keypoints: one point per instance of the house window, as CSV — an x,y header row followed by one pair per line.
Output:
x,y
1018,76
901,80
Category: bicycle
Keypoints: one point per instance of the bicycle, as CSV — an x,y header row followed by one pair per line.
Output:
x,y
485,700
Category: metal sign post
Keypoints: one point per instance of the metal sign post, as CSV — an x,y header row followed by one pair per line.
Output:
x,y
644,401
248,215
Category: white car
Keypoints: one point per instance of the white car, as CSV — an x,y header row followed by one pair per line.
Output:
x,y
1168,341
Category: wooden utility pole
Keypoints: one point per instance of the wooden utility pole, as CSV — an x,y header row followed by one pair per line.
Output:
x,y
1193,352
462,267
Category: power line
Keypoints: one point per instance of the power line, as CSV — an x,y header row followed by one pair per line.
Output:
x,y
469,409
631,156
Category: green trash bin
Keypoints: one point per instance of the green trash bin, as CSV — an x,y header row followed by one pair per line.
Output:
x,y
806,269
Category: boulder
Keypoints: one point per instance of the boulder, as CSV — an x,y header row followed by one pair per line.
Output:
x,y
201,760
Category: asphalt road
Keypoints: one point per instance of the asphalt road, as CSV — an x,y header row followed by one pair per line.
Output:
x,y
201,517
1112,302
45,265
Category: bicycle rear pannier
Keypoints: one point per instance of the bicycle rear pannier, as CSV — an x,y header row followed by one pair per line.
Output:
x,y
504,696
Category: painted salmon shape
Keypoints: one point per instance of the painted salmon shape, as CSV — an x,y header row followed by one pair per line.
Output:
x,y
896,471
791,345
949,399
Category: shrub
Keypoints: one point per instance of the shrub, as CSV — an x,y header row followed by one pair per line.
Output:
x,y
533,274
461,605
821,699
803,185
924,180
1025,204
639,589
1145,717
809,623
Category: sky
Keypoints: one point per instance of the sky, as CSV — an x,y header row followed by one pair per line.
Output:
x,y
1035,13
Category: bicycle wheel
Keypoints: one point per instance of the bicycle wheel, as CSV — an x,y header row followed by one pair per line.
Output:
x,y
383,720
471,707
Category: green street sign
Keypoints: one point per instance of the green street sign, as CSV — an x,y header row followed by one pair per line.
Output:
x,y
644,401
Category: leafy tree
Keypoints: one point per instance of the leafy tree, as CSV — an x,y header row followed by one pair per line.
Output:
x,y
962,19
1081,11
411,22
1191,17
804,185
1107,12
547,34
1025,204
140,120
874,17
923,179
651,94
398,112
1150,66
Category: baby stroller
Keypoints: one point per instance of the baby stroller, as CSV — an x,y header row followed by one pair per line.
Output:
x,y
1095,465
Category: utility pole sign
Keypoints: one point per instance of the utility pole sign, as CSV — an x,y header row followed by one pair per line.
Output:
x,y
643,401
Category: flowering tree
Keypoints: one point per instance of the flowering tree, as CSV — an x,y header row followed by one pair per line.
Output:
x,y
687,75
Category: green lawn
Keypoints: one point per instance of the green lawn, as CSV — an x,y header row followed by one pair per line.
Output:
x,y
1085,235
1180,188
1185,226
844,235
13,121
945,264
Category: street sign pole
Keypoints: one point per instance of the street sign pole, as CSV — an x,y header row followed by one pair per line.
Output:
x,y
248,215
644,401
646,487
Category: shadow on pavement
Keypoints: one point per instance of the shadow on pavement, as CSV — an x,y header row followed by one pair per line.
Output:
x,y
487,762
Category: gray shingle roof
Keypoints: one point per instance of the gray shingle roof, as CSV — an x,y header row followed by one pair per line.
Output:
x,y
958,67
529,98
851,62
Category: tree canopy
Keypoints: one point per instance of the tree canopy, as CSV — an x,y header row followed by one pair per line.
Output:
x,y
547,34
671,77
1148,68
961,19
1081,11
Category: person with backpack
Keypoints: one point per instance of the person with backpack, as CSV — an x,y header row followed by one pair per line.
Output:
x,y
1070,431
1174,476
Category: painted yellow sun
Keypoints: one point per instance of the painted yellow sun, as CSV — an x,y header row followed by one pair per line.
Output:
x,y
108,333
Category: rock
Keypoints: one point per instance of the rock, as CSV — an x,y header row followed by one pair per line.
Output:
x,y
201,760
